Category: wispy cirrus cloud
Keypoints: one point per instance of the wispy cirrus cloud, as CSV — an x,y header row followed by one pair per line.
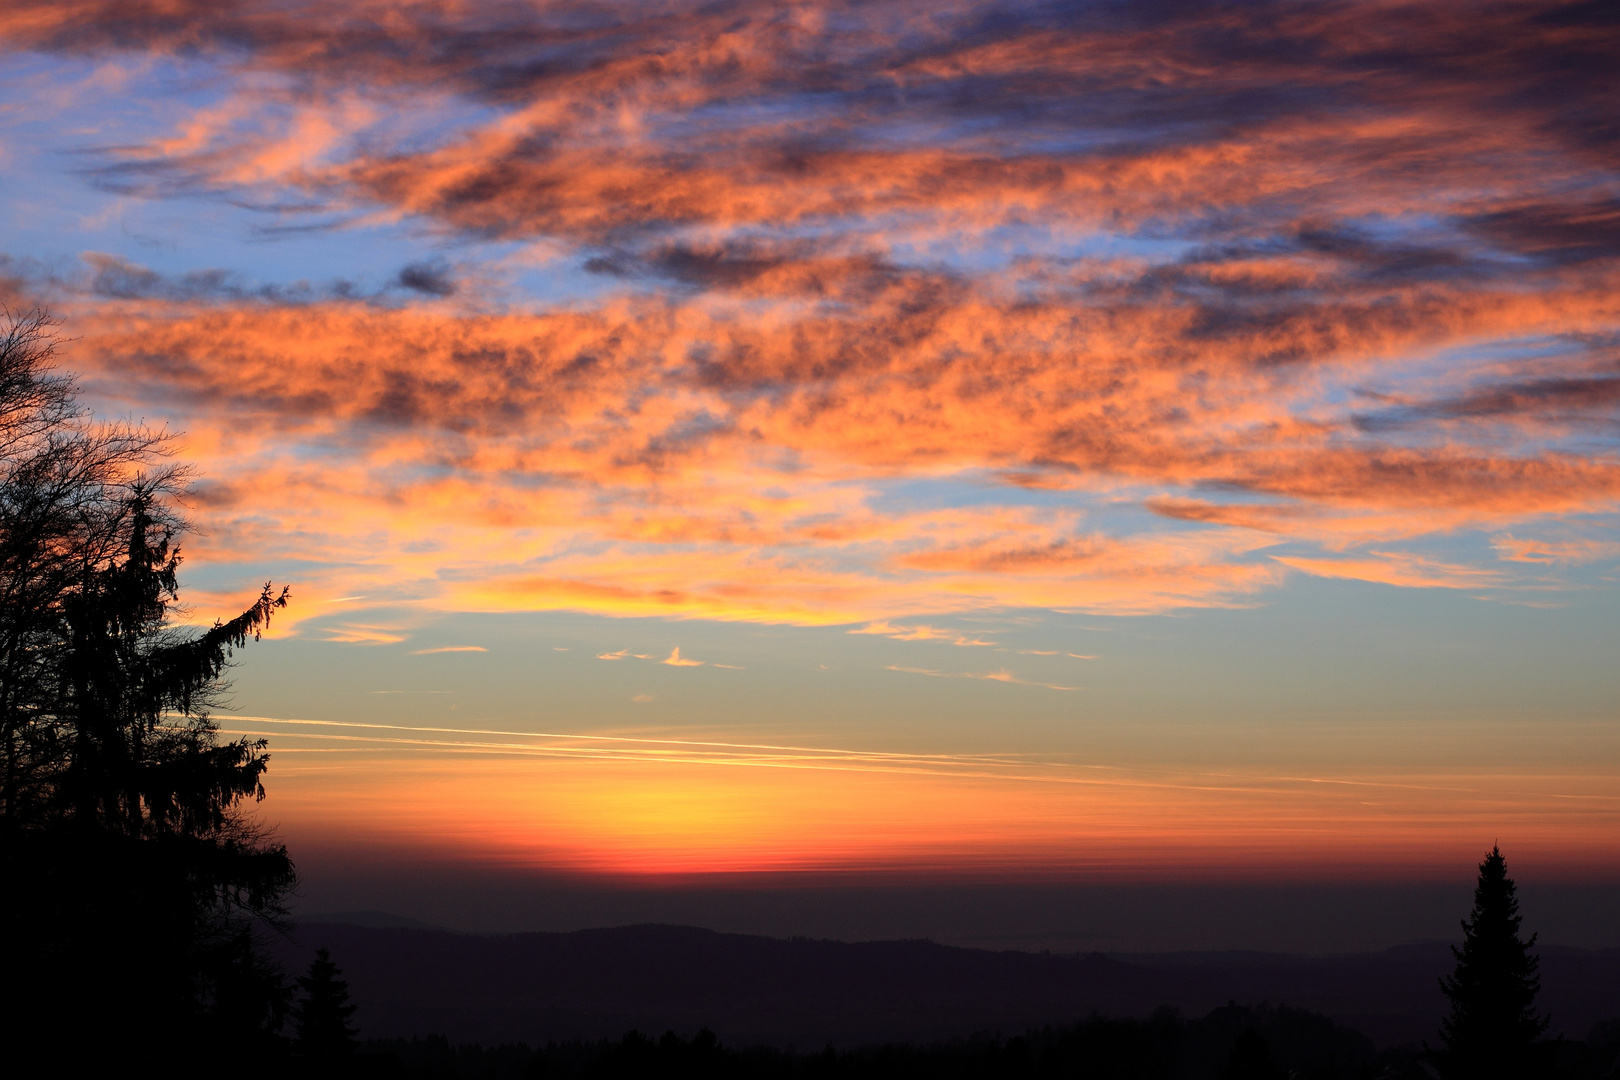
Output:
x,y
1551,552
1396,568
361,634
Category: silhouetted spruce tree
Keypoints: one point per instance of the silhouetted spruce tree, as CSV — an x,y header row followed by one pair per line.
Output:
x,y
324,1035
133,882
1493,1024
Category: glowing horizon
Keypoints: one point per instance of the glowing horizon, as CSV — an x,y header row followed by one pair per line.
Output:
x,y
667,808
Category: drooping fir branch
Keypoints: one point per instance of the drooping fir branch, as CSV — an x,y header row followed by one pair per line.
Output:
x,y
177,671
131,674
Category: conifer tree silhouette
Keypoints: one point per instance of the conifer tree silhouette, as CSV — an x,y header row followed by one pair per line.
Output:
x,y
1493,1024
134,880
324,1034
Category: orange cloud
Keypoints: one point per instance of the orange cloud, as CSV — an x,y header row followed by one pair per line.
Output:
x,y
363,634
1395,568
920,633
592,459
1242,290
633,124
1513,549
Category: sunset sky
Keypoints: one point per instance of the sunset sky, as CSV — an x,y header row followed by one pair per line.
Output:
x,y
728,443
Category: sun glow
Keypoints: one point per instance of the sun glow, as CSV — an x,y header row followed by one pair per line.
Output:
x,y
666,807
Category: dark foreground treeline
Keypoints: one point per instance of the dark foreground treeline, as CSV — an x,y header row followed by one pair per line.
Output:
x,y
1231,1043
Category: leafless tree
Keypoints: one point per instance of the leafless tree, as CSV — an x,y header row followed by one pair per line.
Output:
x,y
66,487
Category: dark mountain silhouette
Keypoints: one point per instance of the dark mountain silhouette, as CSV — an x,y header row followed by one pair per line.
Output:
x,y
593,984
377,920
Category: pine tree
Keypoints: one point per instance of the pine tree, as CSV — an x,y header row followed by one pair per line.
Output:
x,y
1493,1024
324,1034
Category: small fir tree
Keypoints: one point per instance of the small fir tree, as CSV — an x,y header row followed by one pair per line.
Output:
x,y
1493,1024
324,1032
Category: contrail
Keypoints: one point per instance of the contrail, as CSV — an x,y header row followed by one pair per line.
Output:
x,y
1016,767
997,759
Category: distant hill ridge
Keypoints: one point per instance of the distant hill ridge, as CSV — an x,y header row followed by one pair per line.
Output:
x,y
589,984
374,920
